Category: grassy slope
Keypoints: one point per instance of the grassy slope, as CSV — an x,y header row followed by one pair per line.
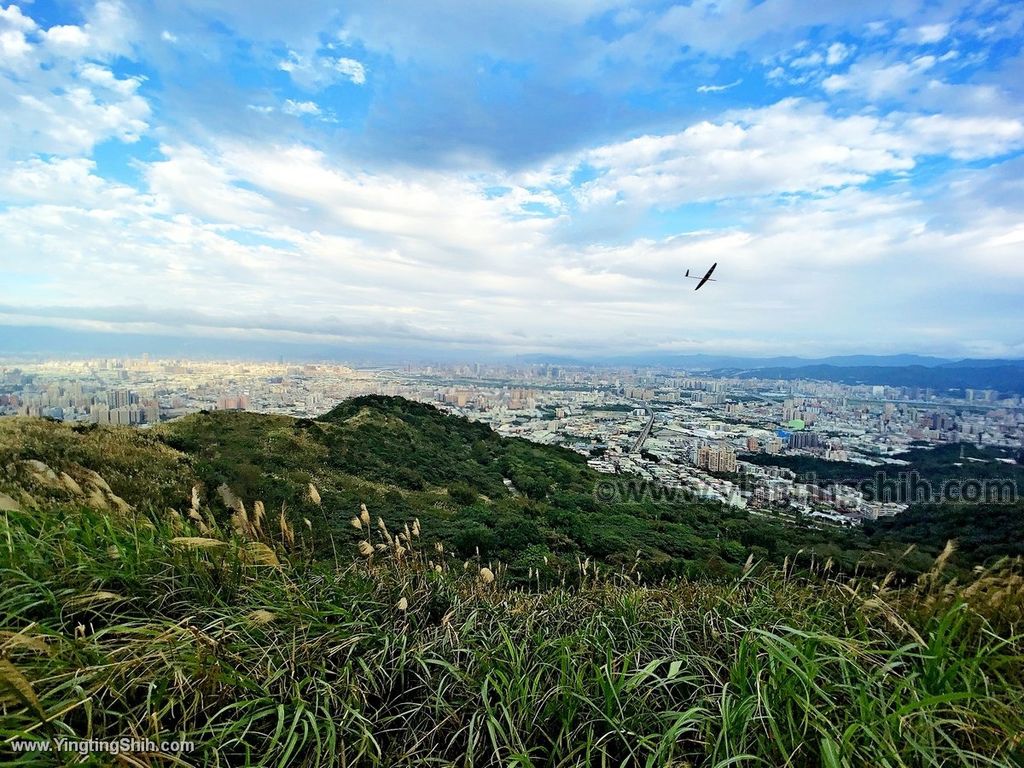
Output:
x,y
111,624
136,466
115,628
984,532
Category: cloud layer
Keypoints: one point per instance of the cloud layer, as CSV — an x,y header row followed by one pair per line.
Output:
x,y
531,178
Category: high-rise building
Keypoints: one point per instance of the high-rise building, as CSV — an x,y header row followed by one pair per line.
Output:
x,y
804,440
101,414
119,398
716,459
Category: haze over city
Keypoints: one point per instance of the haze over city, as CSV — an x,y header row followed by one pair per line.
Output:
x,y
515,179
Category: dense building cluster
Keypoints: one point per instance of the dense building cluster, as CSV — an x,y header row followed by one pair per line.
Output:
x,y
684,430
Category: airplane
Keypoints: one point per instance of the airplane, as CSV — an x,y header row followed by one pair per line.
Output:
x,y
704,279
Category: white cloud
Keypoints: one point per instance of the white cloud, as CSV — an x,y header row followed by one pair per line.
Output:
x,y
73,120
11,17
792,146
182,239
965,138
272,236
285,243
68,38
809,61
725,28
931,33
876,28
431,216
876,80
59,181
292,63
316,72
803,63
717,88
14,44
190,181
300,108
44,181
59,99
597,281
837,53
351,69
296,108
111,29
108,31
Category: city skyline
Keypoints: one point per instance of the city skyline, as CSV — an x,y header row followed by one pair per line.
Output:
x,y
521,180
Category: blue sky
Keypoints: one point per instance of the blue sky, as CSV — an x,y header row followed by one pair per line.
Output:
x,y
534,177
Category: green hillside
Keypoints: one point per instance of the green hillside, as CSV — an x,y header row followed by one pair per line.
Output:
x,y
408,460
484,495
935,466
217,581
171,628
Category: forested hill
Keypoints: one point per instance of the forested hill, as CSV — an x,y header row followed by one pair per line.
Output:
x,y
406,460
414,445
506,499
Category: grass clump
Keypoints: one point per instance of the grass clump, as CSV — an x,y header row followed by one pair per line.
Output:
x,y
169,627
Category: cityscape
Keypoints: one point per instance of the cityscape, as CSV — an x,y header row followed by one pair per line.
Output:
x,y
684,430
561,384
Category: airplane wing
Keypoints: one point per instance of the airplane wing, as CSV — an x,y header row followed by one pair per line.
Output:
x,y
706,277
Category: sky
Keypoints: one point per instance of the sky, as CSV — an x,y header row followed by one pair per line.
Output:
x,y
520,177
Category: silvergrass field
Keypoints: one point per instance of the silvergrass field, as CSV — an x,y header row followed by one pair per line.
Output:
x,y
230,627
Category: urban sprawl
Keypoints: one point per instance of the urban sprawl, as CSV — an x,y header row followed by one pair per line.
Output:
x,y
684,430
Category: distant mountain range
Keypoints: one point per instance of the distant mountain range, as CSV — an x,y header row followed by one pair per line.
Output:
x,y
937,373
711,361
702,362
1006,377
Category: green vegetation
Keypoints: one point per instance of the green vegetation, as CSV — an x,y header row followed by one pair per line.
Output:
x,y
934,465
162,627
983,532
481,494
215,581
139,468
406,459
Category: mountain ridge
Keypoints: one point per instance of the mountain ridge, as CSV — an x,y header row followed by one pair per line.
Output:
x,y
711,362
1004,378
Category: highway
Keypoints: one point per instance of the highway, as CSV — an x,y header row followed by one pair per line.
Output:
x,y
646,432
